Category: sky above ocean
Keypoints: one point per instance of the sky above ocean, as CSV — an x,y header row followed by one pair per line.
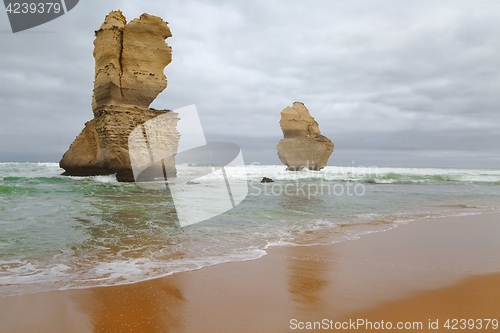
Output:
x,y
391,83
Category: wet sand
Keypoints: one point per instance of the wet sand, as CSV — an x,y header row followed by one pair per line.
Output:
x,y
427,270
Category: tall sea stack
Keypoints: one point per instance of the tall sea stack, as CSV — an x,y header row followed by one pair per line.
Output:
x,y
129,63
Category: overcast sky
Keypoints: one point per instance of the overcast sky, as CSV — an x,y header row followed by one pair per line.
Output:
x,y
391,83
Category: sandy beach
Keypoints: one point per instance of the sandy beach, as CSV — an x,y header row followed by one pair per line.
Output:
x,y
421,274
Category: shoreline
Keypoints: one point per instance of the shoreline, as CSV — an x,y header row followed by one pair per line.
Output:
x,y
400,273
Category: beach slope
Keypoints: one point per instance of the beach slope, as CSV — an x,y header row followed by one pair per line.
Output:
x,y
426,271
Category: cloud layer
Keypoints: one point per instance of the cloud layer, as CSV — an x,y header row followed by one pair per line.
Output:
x,y
390,82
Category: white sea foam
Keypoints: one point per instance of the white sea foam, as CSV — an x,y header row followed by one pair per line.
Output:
x,y
26,277
105,179
378,175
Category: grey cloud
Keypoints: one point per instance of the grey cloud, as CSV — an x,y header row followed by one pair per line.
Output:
x,y
381,76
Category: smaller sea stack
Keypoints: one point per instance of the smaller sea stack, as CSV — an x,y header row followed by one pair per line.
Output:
x,y
303,146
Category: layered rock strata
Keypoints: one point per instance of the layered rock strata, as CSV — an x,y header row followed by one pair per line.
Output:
x,y
303,146
129,63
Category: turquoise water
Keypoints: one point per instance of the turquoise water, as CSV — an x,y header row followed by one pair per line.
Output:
x,y
72,232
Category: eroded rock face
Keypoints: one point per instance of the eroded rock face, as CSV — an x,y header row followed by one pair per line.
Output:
x,y
303,146
129,63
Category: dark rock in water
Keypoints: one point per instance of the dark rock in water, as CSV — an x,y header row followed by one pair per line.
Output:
x,y
266,180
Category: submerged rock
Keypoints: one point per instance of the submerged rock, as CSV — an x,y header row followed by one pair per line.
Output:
x,y
129,63
303,146
266,180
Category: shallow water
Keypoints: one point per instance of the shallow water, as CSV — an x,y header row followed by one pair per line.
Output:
x,y
71,232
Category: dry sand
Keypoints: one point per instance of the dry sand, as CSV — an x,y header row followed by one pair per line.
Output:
x,y
427,270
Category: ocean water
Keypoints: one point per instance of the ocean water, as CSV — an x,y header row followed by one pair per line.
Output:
x,y
74,232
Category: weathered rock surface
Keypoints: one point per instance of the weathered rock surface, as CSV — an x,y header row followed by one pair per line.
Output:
x,y
303,146
129,63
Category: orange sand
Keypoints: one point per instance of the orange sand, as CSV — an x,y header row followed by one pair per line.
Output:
x,y
425,270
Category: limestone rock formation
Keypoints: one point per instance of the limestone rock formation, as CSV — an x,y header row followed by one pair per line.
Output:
x,y
303,145
129,63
